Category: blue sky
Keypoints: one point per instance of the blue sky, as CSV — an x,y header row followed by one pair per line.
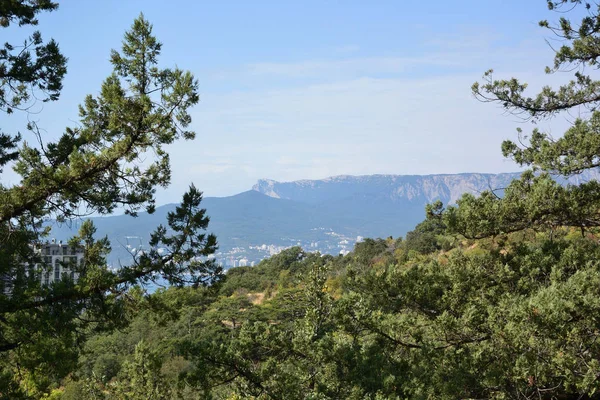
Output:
x,y
306,90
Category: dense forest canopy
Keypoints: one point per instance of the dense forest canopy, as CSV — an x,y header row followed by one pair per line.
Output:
x,y
496,297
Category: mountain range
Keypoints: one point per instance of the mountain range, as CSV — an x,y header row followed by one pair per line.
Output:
x,y
306,212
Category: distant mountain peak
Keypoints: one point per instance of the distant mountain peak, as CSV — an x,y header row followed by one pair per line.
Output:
x,y
395,188
266,186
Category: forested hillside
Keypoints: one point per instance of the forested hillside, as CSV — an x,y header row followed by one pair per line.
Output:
x,y
431,316
492,297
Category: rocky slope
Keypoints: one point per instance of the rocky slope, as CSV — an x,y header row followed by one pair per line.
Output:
x,y
420,189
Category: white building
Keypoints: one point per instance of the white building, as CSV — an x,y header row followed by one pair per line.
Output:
x,y
58,261
52,262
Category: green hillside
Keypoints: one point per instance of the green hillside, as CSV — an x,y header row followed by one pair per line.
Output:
x,y
471,286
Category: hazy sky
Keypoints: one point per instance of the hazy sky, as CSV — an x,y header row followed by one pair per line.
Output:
x,y
310,89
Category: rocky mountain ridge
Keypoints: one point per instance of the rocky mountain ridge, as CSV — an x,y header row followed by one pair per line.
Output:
x,y
398,188
428,188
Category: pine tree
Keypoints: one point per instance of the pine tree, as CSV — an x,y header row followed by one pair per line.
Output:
x,y
537,200
29,70
94,168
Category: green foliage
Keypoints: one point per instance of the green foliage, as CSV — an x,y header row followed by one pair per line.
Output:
x,y
93,168
425,238
508,313
516,316
286,266
366,251
32,69
143,378
537,201
496,297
